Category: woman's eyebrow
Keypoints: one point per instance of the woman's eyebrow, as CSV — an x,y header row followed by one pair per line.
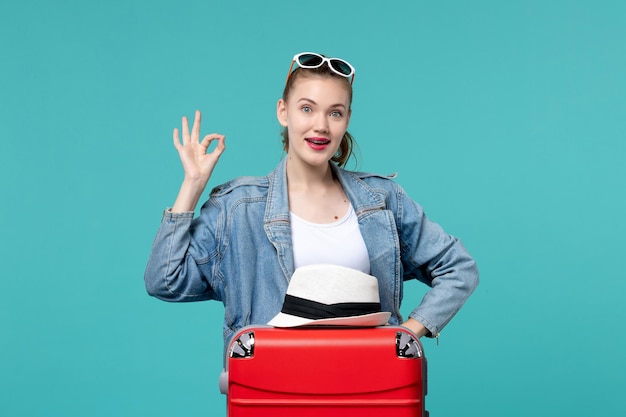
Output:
x,y
313,102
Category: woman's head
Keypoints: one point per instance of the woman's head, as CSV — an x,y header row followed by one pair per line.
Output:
x,y
313,84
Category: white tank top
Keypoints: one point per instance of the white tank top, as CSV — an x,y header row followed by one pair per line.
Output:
x,y
338,243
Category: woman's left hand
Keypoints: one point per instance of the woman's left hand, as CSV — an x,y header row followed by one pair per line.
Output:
x,y
416,327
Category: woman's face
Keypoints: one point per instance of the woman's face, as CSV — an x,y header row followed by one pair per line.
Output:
x,y
316,116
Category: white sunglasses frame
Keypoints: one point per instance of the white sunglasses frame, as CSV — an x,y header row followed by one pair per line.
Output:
x,y
296,60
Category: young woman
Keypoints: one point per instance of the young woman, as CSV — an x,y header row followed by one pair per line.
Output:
x,y
253,232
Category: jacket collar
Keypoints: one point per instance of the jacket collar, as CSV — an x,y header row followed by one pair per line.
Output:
x,y
361,195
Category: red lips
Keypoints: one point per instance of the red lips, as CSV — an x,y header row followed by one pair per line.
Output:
x,y
318,141
317,144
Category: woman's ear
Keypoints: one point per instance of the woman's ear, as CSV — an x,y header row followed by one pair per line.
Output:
x,y
281,112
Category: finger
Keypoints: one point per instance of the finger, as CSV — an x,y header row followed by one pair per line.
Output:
x,y
195,132
185,130
220,145
211,137
176,138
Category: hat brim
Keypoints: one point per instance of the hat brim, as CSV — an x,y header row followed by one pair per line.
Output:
x,y
366,320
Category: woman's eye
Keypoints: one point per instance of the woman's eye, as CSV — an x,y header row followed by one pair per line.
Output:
x,y
306,109
335,113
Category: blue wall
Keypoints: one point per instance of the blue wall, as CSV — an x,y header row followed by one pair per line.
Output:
x,y
505,120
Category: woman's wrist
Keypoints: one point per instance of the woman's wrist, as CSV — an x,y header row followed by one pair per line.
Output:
x,y
189,194
416,327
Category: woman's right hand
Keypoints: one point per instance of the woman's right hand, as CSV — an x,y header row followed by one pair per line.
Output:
x,y
197,163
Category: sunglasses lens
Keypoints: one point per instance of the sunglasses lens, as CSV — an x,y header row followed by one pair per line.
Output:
x,y
341,67
310,60
313,60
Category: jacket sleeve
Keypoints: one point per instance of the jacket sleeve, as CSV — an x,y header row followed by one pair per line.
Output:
x,y
179,260
439,260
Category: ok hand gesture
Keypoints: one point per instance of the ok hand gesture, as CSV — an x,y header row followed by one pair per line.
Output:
x,y
197,163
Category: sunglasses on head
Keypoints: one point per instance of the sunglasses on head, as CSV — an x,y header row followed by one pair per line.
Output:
x,y
313,60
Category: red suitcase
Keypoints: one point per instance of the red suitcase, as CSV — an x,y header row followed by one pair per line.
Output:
x,y
325,372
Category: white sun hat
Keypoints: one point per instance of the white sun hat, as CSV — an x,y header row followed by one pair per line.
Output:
x,y
331,295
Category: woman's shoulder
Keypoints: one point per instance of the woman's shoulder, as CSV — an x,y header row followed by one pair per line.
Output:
x,y
373,178
246,185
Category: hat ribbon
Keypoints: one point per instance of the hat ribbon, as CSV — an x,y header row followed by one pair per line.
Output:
x,y
309,309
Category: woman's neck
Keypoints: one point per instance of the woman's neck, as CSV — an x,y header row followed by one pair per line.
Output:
x,y
302,176
314,194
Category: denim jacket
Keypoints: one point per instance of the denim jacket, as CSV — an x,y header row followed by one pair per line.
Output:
x,y
239,251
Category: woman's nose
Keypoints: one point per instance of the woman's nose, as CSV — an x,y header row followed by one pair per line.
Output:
x,y
321,124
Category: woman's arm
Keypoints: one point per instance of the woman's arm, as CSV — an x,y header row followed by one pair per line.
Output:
x,y
172,273
440,261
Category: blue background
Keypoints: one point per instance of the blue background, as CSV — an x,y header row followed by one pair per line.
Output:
x,y
505,120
